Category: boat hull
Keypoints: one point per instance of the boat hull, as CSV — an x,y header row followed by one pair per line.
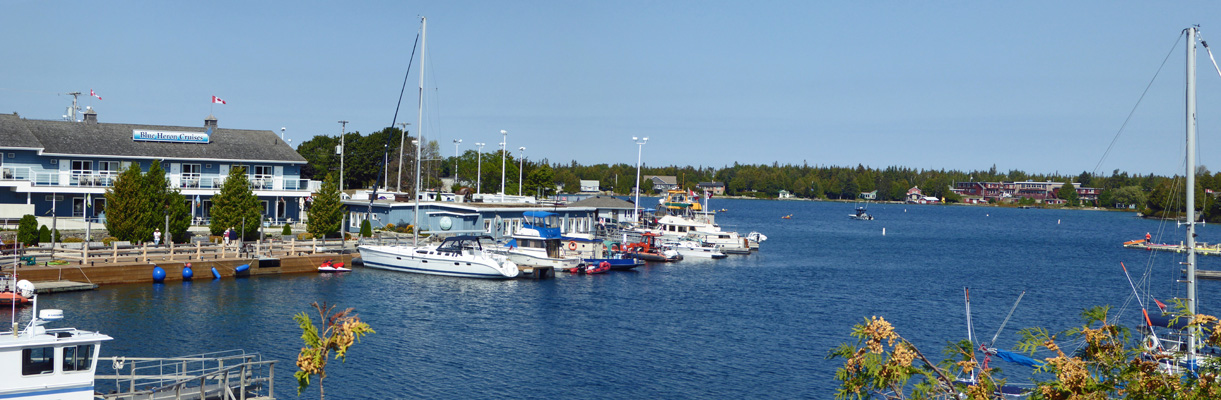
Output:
x,y
407,259
616,264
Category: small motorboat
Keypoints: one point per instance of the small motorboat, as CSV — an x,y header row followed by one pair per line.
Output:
x,y
599,268
861,215
332,266
10,298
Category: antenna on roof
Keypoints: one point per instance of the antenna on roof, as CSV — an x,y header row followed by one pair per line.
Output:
x,y
71,116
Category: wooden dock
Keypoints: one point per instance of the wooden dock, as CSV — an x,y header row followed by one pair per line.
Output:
x,y
62,286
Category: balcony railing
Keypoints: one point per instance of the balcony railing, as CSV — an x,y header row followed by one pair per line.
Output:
x,y
105,179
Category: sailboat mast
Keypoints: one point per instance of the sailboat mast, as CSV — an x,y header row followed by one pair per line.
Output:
x,y
1191,186
419,128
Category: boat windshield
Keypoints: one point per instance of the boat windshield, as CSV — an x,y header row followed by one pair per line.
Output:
x,y
458,243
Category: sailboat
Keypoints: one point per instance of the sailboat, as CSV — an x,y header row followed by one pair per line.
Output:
x,y
1180,352
461,256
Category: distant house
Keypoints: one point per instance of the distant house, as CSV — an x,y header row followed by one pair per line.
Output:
x,y
914,195
784,194
588,186
870,195
716,188
662,183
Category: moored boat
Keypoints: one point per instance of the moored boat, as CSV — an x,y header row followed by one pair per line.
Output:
x,y
332,266
461,256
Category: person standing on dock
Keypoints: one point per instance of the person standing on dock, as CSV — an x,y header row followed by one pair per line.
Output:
x,y
1148,238
157,237
228,233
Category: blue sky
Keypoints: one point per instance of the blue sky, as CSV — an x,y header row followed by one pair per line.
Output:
x,y
1037,86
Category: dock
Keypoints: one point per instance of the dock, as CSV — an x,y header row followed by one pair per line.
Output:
x,y
1203,249
62,286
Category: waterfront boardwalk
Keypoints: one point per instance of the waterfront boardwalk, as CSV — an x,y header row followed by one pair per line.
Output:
x,y
134,264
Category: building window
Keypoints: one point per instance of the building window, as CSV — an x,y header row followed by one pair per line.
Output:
x,y
190,175
108,167
37,361
12,155
54,161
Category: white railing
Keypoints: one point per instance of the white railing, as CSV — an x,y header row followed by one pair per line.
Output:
x,y
107,179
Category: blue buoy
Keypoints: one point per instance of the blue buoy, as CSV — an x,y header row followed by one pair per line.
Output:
x,y
187,273
158,274
215,274
242,270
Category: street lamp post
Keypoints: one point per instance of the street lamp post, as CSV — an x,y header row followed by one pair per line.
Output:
x,y
521,160
343,127
504,143
639,151
282,129
479,167
456,143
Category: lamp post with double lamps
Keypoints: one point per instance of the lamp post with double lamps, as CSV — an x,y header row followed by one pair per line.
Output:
x,y
521,160
504,143
639,152
456,143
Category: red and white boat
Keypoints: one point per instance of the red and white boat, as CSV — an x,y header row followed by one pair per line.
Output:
x,y
331,266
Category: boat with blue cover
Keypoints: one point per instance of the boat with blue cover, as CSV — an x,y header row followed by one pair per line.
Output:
x,y
537,243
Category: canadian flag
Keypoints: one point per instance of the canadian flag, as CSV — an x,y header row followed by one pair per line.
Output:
x,y
91,93
217,100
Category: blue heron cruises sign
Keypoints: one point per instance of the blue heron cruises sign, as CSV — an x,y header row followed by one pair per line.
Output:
x,y
170,136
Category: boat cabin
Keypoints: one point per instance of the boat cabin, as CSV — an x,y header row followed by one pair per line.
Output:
x,y
49,363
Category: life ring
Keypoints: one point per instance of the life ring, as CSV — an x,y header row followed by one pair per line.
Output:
x,y
572,245
615,247
1149,343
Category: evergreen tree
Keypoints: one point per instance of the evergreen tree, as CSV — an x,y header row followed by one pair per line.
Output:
x,y
180,215
326,211
235,203
288,230
124,204
27,230
366,229
44,234
154,193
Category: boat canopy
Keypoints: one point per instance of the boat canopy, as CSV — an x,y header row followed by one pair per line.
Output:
x,y
1018,358
544,222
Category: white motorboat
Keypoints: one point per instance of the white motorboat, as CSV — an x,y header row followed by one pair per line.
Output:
x,y
537,243
41,363
861,215
692,249
462,256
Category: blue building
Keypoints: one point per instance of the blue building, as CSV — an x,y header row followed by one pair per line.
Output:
x,y
58,166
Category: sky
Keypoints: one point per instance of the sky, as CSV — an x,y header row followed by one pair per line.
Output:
x,y
1038,86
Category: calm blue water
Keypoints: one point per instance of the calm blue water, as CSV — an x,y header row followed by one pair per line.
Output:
x,y
755,326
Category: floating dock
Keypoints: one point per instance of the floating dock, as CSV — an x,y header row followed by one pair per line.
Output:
x,y
1203,249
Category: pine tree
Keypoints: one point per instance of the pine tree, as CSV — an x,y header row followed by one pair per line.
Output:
x,y
1068,193
366,229
234,203
27,230
326,211
154,196
124,204
180,215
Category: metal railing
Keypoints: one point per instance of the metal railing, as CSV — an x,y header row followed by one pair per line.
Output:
x,y
230,375
105,179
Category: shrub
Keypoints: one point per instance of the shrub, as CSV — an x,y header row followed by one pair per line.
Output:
x,y
288,230
27,230
44,235
388,227
109,240
304,236
366,229
73,240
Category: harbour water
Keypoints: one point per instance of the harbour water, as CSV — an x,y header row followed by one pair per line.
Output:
x,y
756,326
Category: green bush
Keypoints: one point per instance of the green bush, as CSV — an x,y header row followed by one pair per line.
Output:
x,y
27,230
366,229
389,228
288,230
304,236
73,240
44,235
109,240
